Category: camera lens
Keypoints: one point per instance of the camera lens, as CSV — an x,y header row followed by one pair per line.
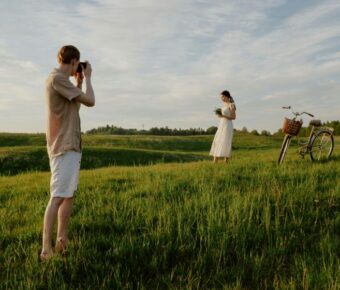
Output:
x,y
79,69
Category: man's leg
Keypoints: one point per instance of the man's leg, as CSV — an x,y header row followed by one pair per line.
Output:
x,y
49,219
226,159
215,159
64,214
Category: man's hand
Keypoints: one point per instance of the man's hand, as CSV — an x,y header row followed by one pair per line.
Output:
x,y
88,70
79,79
88,99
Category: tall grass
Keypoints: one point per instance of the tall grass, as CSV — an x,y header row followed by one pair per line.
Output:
x,y
247,225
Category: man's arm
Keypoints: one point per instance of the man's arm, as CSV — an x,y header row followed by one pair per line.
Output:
x,y
87,98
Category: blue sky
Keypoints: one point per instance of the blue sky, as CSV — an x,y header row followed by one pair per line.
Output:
x,y
164,63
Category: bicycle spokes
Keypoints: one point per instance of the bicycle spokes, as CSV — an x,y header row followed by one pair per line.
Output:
x,y
322,146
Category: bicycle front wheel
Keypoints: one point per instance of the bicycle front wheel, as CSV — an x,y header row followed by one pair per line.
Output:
x,y
284,147
322,146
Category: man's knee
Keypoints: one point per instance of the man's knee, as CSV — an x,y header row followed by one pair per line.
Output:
x,y
68,199
56,201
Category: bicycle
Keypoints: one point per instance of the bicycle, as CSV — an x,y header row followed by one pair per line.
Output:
x,y
320,142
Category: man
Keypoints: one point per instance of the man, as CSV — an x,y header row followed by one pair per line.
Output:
x,y
64,142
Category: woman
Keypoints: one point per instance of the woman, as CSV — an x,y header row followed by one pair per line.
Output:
x,y
221,146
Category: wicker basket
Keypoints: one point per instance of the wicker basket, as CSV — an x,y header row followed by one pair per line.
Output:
x,y
291,127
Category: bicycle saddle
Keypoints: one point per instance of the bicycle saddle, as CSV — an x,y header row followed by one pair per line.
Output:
x,y
316,123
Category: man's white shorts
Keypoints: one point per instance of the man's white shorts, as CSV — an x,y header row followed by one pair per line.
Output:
x,y
65,174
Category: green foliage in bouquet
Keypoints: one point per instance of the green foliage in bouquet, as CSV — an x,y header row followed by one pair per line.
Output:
x,y
218,111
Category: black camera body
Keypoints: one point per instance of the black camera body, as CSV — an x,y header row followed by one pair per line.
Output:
x,y
79,69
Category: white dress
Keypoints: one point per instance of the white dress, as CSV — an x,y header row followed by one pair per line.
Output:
x,y
221,146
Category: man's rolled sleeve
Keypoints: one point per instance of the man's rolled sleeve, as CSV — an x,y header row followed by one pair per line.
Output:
x,y
65,88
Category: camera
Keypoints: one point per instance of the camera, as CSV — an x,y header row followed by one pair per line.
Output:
x,y
79,69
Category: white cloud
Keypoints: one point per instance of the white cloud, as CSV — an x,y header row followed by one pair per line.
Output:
x,y
163,63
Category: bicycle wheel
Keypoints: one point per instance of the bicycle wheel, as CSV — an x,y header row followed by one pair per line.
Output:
x,y
284,147
322,146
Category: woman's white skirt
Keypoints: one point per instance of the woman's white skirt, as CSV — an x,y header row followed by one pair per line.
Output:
x,y
221,146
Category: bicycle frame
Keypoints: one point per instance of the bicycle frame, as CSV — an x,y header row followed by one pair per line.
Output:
x,y
305,147
308,147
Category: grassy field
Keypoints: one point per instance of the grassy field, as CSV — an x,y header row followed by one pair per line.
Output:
x,y
25,152
165,217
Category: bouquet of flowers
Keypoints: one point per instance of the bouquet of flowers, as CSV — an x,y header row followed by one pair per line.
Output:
x,y
218,111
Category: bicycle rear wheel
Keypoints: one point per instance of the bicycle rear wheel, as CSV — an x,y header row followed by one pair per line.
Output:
x,y
322,146
284,147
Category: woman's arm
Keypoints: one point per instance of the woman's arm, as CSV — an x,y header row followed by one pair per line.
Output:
x,y
228,118
232,114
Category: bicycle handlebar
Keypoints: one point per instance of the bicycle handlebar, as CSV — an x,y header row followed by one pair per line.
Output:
x,y
297,113
309,114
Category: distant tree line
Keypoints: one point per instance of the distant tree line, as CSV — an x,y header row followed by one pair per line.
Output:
x,y
166,131
161,131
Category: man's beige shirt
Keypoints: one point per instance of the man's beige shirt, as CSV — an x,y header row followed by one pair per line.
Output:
x,y
63,124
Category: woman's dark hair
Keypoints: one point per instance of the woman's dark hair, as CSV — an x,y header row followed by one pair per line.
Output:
x,y
227,94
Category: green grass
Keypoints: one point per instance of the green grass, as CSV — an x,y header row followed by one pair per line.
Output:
x,y
193,225
25,159
25,152
173,143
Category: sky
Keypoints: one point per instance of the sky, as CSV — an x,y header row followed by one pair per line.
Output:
x,y
164,63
